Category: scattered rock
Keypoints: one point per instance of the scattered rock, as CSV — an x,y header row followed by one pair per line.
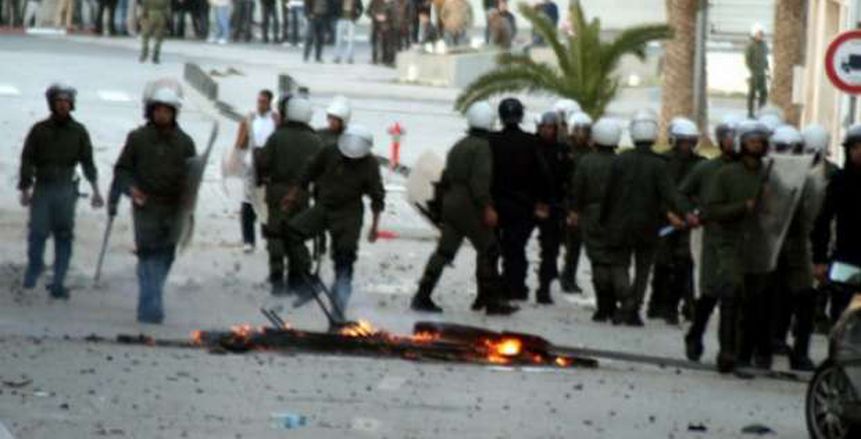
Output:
x,y
695,427
757,429
18,384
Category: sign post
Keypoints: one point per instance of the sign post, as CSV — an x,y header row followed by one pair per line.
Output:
x,y
843,62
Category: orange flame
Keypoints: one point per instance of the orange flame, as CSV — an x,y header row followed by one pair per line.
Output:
x,y
362,328
503,350
197,337
425,337
563,362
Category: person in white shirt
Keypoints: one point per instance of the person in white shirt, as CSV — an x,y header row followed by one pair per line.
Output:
x,y
254,130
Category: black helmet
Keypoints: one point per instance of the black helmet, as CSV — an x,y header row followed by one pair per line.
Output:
x,y
511,111
853,136
60,91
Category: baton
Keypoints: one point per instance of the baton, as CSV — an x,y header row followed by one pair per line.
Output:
x,y
104,249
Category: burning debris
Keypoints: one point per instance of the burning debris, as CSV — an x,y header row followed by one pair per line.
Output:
x,y
429,342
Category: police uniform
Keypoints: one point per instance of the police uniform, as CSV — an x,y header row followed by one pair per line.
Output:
x,y
52,150
639,195
154,22
466,193
280,164
673,279
154,161
340,183
609,266
572,235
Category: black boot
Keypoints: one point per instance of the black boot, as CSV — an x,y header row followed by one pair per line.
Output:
x,y
693,347
421,303
542,296
500,309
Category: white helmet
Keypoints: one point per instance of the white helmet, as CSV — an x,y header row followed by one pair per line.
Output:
x,y
606,132
578,120
356,142
785,139
166,96
816,138
299,110
644,126
749,128
566,107
756,28
340,108
771,121
770,109
683,129
481,115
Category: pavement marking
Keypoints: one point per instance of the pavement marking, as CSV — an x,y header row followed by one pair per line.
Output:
x,y
114,96
4,432
391,383
367,425
9,90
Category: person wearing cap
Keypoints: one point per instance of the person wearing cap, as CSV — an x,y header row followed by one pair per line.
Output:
x,y
839,220
279,166
756,59
579,140
519,193
588,187
342,175
640,200
693,190
731,204
152,171
673,278
52,151
468,212
253,132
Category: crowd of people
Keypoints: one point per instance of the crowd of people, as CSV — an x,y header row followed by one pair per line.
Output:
x,y
634,208
395,25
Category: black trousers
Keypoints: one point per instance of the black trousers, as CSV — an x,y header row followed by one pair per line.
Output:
x,y
111,7
550,237
755,319
514,233
247,220
244,14
270,16
672,283
315,36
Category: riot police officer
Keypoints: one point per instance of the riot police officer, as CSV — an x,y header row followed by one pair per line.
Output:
x,y
468,212
580,143
52,151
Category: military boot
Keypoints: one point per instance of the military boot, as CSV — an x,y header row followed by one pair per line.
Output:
x,y
422,301
542,295
276,282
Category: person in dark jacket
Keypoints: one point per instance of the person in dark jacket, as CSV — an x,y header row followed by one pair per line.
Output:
x,y
52,150
518,185
673,279
580,144
842,207
553,159
468,212
342,175
693,190
318,15
640,199
152,170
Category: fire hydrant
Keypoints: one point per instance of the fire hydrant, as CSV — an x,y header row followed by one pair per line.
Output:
x,y
396,131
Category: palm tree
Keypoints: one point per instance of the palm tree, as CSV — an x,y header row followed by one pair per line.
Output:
x,y
789,38
678,75
585,63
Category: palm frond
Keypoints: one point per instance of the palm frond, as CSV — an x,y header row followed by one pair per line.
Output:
x,y
634,41
502,80
545,29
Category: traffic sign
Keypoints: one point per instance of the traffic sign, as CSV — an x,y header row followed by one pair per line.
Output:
x,y
843,62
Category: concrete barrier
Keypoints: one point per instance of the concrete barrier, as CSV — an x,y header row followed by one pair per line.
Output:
x,y
454,69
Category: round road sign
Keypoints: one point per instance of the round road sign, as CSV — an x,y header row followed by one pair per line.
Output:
x,y
843,62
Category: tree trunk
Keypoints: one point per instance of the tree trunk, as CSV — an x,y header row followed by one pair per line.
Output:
x,y
678,81
789,34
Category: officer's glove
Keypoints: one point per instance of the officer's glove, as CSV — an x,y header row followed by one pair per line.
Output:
x,y
25,197
112,210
